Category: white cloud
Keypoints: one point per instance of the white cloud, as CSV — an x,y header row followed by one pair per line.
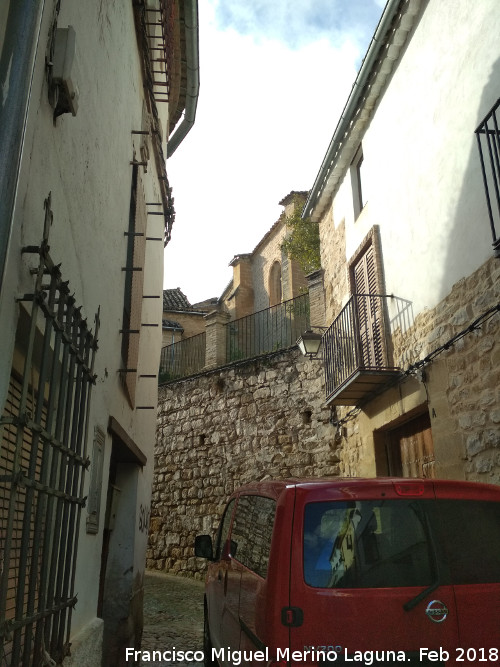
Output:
x,y
266,114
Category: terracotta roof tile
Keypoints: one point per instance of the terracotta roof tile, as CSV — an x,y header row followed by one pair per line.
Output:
x,y
170,324
174,299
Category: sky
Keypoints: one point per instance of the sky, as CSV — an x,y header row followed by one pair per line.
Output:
x,y
274,78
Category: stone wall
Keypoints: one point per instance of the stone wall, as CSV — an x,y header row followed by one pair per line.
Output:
x,y
267,418
460,387
333,262
265,254
463,383
261,418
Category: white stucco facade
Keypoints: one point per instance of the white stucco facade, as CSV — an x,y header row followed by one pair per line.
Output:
x,y
402,209
421,172
95,166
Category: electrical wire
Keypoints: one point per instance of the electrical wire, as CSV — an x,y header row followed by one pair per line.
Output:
x,y
415,367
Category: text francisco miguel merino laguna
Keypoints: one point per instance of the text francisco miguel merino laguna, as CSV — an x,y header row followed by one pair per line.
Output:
x,y
311,653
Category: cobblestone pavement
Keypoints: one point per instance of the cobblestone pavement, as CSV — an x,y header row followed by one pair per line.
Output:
x,y
173,617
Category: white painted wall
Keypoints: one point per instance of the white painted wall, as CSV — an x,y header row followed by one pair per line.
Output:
x,y
421,171
84,161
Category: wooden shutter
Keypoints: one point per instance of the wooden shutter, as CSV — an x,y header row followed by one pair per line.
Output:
x,y
368,310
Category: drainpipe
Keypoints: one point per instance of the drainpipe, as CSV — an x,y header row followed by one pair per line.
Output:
x,y
17,66
193,75
372,54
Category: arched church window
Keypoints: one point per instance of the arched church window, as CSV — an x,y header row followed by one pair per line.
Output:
x,y
275,289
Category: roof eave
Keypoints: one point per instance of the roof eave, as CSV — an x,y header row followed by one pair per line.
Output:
x,y
392,32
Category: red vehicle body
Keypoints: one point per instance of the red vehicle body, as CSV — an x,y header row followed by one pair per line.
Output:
x,y
355,572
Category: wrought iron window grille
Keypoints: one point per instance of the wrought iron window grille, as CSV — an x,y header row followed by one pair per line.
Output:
x,y
42,462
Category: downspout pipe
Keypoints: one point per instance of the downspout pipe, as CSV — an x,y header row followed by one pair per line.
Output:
x,y
17,65
372,55
192,75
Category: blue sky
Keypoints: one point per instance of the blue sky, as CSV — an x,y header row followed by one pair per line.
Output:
x,y
274,78
300,23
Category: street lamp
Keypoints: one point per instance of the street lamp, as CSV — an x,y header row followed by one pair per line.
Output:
x,y
309,343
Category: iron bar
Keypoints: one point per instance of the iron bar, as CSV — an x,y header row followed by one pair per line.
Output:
x,y
16,466
357,341
93,346
186,357
50,561
36,437
492,143
491,170
268,330
11,625
83,340
72,321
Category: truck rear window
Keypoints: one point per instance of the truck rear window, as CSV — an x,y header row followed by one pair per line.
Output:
x,y
396,543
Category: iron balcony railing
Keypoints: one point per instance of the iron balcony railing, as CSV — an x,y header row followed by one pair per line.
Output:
x,y
269,330
488,141
356,343
186,357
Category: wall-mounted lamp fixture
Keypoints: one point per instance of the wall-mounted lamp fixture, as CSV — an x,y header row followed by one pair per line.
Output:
x,y
309,343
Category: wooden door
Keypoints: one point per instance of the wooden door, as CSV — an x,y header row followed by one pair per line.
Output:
x,y
410,449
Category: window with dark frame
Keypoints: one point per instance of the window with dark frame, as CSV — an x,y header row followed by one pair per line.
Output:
x,y
357,183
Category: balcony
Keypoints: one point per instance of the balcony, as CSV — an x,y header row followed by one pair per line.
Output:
x,y
488,141
181,359
266,331
356,351
262,333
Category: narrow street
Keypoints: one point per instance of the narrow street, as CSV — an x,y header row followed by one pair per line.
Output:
x,y
173,617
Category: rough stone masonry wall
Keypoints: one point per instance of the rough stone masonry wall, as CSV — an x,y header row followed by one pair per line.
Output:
x,y
461,386
267,417
263,418
464,381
